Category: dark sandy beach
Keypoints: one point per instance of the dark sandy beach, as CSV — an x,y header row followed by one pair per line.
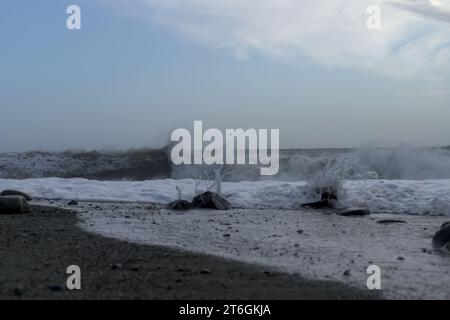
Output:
x,y
37,248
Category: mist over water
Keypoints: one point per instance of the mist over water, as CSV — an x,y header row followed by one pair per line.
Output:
x,y
348,164
295,165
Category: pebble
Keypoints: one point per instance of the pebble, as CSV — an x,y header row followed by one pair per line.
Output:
x,y
55,288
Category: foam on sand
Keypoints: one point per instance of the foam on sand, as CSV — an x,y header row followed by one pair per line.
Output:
x,y
420,197
315,244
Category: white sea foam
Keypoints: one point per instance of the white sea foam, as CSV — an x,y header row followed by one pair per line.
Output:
x,y
421,197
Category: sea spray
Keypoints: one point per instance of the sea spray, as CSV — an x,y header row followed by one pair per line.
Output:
x,y
295,165
326,186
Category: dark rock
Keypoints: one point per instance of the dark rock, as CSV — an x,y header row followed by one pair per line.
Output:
x,y
72,203
400,258
347,273
445,224
389,221
300,231
180,205
13,205
328,198
205,271
55,288
210,200
441,239
116,266
269,274
16,193
351,212
19,291
329,195
318,205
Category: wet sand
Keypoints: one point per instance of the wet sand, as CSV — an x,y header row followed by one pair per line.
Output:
x,y
317,244
37,248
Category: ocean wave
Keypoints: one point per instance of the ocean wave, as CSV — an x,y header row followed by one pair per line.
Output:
x,y
295,165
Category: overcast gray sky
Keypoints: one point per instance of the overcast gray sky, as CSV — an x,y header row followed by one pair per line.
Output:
x,y
139,68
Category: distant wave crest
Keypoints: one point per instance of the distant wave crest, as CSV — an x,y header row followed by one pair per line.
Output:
x,y
295,165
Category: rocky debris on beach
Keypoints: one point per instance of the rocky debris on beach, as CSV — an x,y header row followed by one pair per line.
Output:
x,y
180,205
210,200
351,212
55,287
16,193
390,221
13,205
322,204
441,239
72,203
328,199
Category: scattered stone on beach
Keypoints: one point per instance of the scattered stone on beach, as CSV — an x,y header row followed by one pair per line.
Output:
x,y
210,200
445,224
269,274
441,239
13,205
55,288
300,231
16,193
180,205
72,203
328,199
116,266
205,271
390,221
347,273
317,205
352,212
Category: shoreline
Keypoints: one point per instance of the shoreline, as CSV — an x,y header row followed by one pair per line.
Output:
x,y
37,248
317,244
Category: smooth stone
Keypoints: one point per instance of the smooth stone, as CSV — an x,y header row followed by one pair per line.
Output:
x,y
16,193
13,205
441,239
210,200
180,205
389,221
317,205
445,224
55,288
350,212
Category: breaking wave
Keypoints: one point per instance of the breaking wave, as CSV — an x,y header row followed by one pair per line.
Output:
x,y
295,165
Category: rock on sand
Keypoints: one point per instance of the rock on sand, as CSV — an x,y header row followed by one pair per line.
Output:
x,y
350,212
441,239
210,200
13,205
180,205
16,193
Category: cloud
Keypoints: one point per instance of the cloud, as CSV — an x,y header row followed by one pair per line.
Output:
x,y
438,10
413,41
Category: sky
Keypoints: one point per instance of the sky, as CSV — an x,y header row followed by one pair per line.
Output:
x,y
138,69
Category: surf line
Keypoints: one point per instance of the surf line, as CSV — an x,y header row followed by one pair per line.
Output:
x,y
240,145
